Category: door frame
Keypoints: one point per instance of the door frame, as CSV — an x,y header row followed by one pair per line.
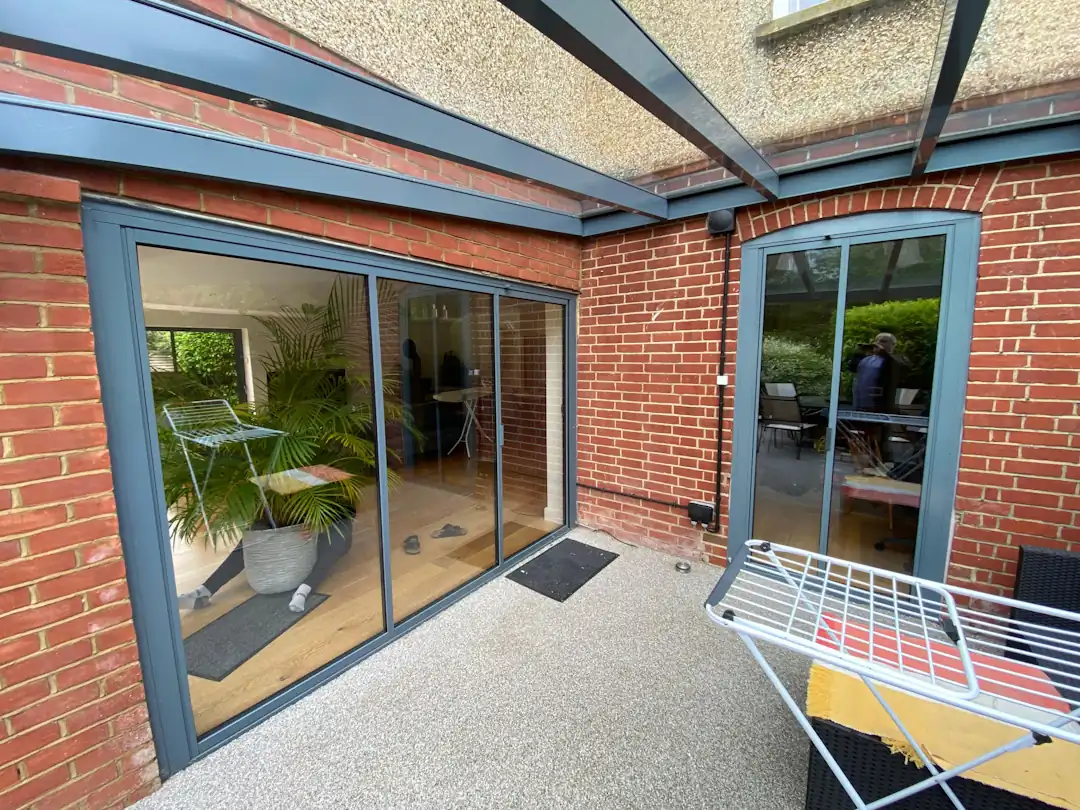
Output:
x,y
112,232
950,372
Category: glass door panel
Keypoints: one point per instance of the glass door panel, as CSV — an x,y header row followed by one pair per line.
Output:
x,y
531,385
889,351
796,376
438,370
262,382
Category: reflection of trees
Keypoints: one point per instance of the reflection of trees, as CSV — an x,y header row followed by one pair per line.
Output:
x,y
787,360
798,341
892,286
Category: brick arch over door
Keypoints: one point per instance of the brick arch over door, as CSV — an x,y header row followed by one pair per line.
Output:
x,y
966,190
650,329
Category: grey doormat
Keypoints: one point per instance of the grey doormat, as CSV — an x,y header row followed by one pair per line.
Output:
x,y
562,569
215,651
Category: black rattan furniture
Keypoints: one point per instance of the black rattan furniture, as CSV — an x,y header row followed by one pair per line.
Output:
x,y
875,771
1049,577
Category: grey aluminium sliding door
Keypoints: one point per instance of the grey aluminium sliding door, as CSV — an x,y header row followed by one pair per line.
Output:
x,y
431,408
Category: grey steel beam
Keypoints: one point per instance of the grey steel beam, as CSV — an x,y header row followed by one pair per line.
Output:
x,y
960,24
159,41
890,266
608,40
66,132
1059,138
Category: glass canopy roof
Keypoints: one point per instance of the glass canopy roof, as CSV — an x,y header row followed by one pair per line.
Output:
x,y
479,59
784,90
828,82
1024,68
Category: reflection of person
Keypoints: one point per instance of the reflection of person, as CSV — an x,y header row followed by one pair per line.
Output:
x,y
875,369
411,368
332,545
412,390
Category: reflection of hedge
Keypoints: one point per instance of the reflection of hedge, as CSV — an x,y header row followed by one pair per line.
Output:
x,y
915,325
208,355
205,365
790,361
795,357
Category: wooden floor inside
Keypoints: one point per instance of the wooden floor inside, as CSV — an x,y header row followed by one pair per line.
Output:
x,y
788,493
456,491
852,536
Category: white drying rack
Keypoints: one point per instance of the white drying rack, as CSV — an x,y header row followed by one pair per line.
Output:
x,y
212,423
913,635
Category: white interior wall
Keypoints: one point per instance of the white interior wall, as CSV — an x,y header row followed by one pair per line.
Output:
x,y
186,290
553,328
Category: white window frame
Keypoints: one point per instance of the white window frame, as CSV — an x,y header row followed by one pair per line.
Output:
x,y
782,8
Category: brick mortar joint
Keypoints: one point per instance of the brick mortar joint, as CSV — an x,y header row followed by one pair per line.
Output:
x,y
79,565
73,665
6,194
102,696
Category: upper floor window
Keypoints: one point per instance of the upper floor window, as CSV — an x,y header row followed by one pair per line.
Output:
x,y
782,8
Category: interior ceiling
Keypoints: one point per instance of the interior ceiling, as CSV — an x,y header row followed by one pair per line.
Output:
x,y
203,282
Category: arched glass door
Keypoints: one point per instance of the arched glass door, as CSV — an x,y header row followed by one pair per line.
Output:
x,y
850,405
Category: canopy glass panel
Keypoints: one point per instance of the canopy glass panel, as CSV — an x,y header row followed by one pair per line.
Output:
x,y
480,60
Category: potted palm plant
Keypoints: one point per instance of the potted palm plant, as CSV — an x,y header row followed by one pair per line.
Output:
x,y
314,467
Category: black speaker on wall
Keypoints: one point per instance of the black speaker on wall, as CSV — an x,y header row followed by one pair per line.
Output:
x,y
720,222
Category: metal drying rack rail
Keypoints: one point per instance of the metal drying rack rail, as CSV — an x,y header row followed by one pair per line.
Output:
x,y
913,635
212,423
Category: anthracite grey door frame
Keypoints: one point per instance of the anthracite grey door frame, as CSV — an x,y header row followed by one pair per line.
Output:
x,y
113,232
961,231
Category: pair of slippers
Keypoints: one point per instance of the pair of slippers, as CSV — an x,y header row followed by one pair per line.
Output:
x,y
412,542
449,530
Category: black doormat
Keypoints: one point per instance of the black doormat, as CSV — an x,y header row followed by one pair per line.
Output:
x,y
215,651
561,570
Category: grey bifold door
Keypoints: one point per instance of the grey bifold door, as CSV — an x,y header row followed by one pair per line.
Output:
x,y
314,450
852,362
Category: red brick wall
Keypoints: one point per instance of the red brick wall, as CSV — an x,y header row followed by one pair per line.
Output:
x,y
650,310
75,711
524,388
647,356
74,715
29,74
51,458
493,249
1020,469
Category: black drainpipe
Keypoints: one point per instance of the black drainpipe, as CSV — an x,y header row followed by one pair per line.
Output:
x,y
714,527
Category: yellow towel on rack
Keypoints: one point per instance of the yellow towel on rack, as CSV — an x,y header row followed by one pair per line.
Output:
x,y
1049,773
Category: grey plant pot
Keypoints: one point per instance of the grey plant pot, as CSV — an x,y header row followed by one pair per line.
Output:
x,y
278,560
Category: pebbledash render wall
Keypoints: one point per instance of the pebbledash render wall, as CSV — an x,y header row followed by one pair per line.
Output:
x,y
649,343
